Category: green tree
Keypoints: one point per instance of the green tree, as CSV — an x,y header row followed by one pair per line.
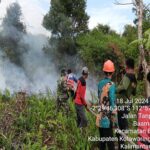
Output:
x,y
13,18
105,29
12,33
66,20
99,45
146,18
130,33
146,44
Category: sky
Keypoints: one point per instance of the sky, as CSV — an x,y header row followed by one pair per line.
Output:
x,y
100,11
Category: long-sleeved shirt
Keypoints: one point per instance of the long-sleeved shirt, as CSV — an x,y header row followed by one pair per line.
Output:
x,y
80,92
126,88
105,122
112,91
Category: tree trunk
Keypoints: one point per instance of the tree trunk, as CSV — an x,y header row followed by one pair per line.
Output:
x,y
139,7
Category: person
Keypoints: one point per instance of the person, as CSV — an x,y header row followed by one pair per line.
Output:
x,y
71,81
62,93
144,123
106,86
80,102
125,90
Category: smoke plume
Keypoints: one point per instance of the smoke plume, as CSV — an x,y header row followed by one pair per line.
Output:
x,y
36,74
23,63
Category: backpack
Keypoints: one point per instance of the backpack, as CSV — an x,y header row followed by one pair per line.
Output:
x,y
104,110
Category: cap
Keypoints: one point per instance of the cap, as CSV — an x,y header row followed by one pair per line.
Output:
x,y
85,70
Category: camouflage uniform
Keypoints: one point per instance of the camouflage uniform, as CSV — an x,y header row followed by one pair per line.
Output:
x,y
62,95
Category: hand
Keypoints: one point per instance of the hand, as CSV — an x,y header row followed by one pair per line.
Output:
x,y
98,116
89,104
98,119
114,112
86,107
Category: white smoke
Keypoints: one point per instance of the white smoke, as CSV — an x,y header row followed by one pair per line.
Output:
x,y
11,76
38,67
37,73
91,91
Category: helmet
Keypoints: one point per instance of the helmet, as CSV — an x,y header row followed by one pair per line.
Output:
x,y
108,66
85,70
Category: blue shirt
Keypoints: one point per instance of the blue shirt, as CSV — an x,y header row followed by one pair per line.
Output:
x,y
112,91
111,94
71,76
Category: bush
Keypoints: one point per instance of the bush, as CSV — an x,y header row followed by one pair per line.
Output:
x,y
39,126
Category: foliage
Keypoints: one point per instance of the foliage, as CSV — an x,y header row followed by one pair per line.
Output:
x,y
13,18
130,33
38,126
132,50
99,45
65,25
12,33
146,43
146,18
147,39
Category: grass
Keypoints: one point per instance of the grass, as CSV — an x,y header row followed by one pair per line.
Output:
x,y
34,124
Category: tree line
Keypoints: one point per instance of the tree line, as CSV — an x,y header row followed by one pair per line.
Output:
x,y
68,22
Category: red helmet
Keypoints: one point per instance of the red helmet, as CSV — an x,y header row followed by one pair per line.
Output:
x,y
108,66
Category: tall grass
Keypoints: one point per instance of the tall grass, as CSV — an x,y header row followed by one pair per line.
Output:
x,y
40,127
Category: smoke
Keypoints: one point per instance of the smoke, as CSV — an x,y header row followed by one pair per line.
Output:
x,y
37,72
12,77
91,91
23,63
38,67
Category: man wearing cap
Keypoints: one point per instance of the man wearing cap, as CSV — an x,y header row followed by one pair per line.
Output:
x,y
80,103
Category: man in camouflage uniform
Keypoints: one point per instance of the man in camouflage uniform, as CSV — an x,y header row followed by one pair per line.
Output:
x,y
62,93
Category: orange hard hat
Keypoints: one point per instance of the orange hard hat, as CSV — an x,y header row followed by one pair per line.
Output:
x,y
108,66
